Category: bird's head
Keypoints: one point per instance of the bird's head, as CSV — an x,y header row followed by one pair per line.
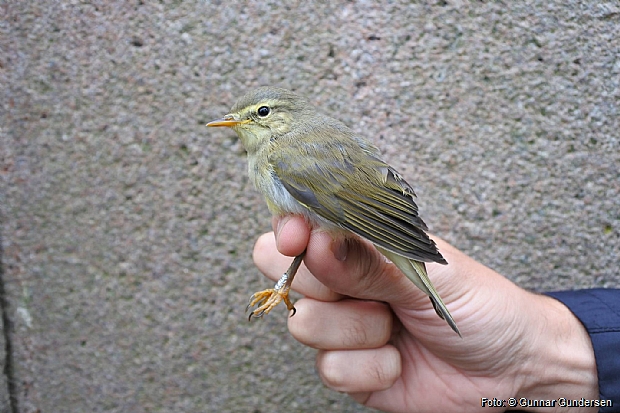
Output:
x,y
264,113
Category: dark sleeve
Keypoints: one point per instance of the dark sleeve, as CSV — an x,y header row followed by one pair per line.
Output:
x,y
599,312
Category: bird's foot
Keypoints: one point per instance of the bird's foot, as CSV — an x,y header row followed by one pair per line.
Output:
x,y
266,300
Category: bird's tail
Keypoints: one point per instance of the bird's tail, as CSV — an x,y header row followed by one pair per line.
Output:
x,y
416,272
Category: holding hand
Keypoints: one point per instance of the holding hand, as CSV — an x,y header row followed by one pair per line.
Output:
x,y
380,341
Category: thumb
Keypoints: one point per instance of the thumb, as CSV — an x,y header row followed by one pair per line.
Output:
x,y
345,265
353,267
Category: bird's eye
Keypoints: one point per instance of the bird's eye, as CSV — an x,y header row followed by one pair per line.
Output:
x,y
263,111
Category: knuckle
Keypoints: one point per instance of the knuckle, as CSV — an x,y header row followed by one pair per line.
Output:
x,y
354,335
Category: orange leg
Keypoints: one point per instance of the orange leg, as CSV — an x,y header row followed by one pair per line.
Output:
x,y
266,300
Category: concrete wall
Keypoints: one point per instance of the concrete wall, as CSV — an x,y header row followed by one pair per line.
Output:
x,y
127,226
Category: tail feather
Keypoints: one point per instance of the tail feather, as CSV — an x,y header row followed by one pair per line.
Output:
x,y
438,304
416,272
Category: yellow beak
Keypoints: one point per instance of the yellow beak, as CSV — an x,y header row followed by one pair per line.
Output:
x,y
228,121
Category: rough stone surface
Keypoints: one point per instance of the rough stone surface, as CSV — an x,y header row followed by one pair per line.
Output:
x,y
128,226
5,402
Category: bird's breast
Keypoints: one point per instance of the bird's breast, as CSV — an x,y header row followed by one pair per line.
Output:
x,y
279,200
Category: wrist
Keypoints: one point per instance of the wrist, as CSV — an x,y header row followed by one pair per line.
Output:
x,y
559,358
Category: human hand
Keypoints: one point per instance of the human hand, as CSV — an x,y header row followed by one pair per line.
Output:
x,y
380,341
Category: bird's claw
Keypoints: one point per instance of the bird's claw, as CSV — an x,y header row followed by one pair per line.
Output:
x,y
266,300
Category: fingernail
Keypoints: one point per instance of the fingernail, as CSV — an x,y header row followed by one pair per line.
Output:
x,y
340,249
281,223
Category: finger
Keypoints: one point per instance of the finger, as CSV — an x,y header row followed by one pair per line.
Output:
x,y
355,371
346,324
292,234
273,264
267,258
350,266
353,267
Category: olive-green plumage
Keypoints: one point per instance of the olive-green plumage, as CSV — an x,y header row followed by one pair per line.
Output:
x,y
310,164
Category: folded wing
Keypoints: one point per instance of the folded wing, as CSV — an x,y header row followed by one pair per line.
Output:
x,y
347,184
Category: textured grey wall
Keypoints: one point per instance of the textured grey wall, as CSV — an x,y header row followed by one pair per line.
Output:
x,y
127,226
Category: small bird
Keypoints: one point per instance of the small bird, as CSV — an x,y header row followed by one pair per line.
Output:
x,y
312,165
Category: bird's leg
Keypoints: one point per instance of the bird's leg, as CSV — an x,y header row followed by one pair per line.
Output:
x,y
266,300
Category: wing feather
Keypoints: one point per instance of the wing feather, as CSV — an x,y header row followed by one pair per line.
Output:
x,y
379,206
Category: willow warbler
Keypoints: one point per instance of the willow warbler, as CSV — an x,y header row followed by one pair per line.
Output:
x,y
309,164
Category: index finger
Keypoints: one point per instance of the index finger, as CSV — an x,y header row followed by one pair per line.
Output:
x,y
273,264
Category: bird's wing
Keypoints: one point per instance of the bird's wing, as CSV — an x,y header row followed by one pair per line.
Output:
x,y
379,207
